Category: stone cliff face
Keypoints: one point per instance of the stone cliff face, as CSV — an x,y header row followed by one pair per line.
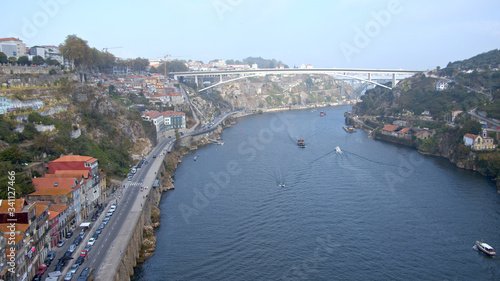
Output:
x,y
101,117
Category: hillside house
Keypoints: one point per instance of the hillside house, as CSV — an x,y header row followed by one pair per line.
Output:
x,y
477,142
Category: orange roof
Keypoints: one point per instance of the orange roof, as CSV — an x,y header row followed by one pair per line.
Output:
x,y
40,208
9,39
55,182
471,136
52,215
19,227
57,208
18,205
175,94
170,112
51,191
75,158
152,114
403,131
17,239
390,128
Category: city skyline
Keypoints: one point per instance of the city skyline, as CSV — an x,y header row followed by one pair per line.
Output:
x,y
350,34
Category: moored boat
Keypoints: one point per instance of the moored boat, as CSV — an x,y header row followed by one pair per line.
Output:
x,y
301,143
349,129
485,248
322,113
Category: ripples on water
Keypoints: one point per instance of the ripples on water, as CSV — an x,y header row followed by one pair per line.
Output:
x,y
377,211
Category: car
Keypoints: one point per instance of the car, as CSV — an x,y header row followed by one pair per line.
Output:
x,y
95,236
41,269
83,253
87,248
74,268
77,241
37,277
109,213
129,178
87,274
98,230
68,254
91,242
72,248
82,234
154,156
69,234
51,255
59,267
47,262
68,276
79,260
61,262
105,220
61,243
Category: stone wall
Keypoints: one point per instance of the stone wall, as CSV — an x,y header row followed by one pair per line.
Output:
x,y
15,69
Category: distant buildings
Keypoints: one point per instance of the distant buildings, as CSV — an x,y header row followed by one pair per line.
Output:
x,y
478,142
167,120
12,47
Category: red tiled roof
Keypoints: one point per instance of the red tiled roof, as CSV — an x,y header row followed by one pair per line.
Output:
x,y
18,205
10,39
62,183
51,191
403,131
152,114
170,112
57,208
75,158
175,94
390,128
470,136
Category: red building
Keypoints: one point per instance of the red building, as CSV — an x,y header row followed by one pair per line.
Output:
x,y
74,162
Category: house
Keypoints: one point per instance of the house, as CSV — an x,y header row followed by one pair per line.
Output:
x,y
176,98
441,85
174,120
477,142
389,130
425,134
400,123
405,133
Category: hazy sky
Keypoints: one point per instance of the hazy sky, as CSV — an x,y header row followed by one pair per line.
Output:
x,y
336,33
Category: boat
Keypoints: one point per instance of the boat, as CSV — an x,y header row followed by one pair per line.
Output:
x,y
485,248
349,129
301,143
337,149
322,113
196,157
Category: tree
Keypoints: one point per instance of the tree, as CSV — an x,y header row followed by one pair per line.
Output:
x,y
76,50
3,58
12,60
50,61
38,60
23,60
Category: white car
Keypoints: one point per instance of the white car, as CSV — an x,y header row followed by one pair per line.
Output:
x,y
91,241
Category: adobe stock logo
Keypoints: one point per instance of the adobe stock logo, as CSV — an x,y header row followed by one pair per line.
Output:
x,y
224,6
372,29
48,9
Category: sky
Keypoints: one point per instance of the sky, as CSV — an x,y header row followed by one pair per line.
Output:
x,y
380,34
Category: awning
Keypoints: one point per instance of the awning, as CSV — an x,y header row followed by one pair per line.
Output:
x,y
85,224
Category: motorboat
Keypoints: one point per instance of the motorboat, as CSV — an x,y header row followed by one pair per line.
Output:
x,y
301,143
322,113
337,149
485,248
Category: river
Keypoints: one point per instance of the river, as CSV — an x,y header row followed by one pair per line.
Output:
x,y
375,211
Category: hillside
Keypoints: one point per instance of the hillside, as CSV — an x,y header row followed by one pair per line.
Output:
x,y
88,122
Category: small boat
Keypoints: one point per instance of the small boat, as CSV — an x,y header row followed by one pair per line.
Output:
x,y
485,248
282,185
301,143
337,149
196,157
322,113
349,129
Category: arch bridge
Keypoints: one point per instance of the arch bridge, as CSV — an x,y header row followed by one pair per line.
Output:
x,y
365,75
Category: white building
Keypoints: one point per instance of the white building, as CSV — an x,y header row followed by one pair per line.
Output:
x,y
12,47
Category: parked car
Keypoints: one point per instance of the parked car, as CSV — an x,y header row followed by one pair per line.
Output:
x,y
41,269
74,268
98,230
72,248
61,243
83,253
69,234
82,234
68,276
91,242
87,248
77,241
79,260
51,255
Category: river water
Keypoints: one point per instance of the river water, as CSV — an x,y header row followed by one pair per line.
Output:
x,y
375,211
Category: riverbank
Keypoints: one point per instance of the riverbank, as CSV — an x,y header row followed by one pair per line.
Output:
x,y
467,162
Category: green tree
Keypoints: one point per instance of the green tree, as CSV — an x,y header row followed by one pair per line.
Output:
x,y
12,60
38,60
76,49
23,60
50,61
3,58
472,126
